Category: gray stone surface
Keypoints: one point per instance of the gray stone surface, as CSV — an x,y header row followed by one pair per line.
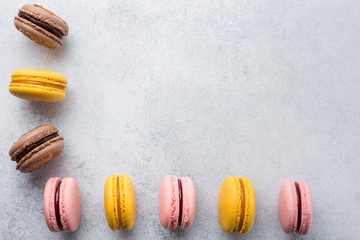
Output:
x,y
206,89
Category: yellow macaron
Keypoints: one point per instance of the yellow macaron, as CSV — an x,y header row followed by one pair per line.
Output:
x,y
38,85
120,202
237,205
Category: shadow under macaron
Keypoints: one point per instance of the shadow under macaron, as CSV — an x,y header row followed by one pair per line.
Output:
x,y
55,168
45,112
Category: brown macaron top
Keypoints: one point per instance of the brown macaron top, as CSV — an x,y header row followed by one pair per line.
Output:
x,y
40,13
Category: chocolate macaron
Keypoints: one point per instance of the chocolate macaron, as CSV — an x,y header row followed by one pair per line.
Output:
x,y
41,25
36,148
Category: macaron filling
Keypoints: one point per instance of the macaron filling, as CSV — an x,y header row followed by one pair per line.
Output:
x,y
118,199
242,200
299,206
41,24
38,83
57,206
35,145
180,202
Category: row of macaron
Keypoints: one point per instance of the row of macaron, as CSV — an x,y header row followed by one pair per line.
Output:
x,y
62,204
45,28
177,204
237,199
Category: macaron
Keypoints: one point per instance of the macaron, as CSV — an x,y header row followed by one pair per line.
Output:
x,y
177,202
62,204
38,85
295,207
41,25
237,205
36,148
120,202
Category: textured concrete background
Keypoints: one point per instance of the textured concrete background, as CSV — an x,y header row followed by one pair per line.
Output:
x,y
207,89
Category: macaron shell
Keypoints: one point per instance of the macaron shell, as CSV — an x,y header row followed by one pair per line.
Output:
x,y
36,93
306,208
127,202
41,155
70,204
110,202
189,202
31,137
37,34
229,204
169,202
288,208
44,15
49,203
250,205
41,75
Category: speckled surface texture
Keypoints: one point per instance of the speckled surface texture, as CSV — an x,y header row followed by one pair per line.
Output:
x,y
204,89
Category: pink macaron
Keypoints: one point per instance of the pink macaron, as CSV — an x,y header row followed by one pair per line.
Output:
x,y
62,204
177,202
295,207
